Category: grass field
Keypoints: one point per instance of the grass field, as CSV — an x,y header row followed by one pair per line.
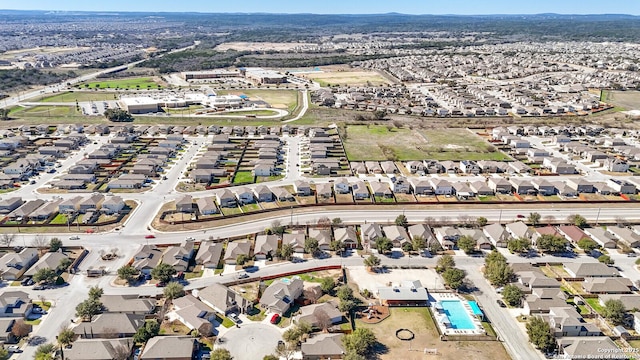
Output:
x,y
353,78
46,111
242,177
279,99
132,83
622,100
376,142
419,321
80,96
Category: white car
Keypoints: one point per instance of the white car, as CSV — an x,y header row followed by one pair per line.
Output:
x,y
75,237
13,349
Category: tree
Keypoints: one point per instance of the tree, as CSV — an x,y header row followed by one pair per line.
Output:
x,y
372,262
88,308
380,114
40,241
481,221
327,284
513,295
173,290
286,251
20,329
4,114
407,247
401,220
336,221
347,305
277,228
324,223
311,246
454,277
496,269
445,262
534,218
539,333
344,292
270,357
45,275
64,264
66,337
551,243
588,245
292,335
418,243
55,244
45,352
519,245
605,259
95,292
221,354
466,244
118,115
7,239
336,246
286,351
383,245
242,259
150,329
614,311
360,341
163,272
577,220
127,273
434,247
4,353
323,320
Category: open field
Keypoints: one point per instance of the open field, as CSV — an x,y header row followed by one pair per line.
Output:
x,y
421,324
279,99
131,83
353,78
376,142
628,100
46,111
80,96
258,46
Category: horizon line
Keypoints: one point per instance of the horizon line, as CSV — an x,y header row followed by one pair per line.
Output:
x,y
311,13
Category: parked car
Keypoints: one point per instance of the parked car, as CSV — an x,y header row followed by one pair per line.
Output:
x,y
40,287
75,237
150,236
234,317
243,275
26,282
13,349
275,319
161,284
189,238
501,303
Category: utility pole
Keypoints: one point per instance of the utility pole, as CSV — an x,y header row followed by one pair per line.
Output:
x,y
598,216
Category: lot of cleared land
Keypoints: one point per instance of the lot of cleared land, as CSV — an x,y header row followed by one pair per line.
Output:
x,y
279,99
419,321
629,100
377,142
353,78
131,83
46,111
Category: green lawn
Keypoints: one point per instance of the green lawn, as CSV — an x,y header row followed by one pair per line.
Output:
x,y
231,211
384,199
80,96
251,207
242,177
378,142
595,305
131,83
47,111
193,275
59,219
33,322
226,322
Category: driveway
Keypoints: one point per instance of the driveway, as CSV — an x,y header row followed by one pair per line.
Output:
x,y
251,341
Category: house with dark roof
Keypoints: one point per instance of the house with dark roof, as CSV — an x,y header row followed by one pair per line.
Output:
x,y
223,299
323,346
99,349
15,304
109,326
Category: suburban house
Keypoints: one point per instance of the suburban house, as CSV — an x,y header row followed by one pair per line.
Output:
x,y
582,347
370,231
50,260
310,313
346,235
131,304
441,186
447,237
603,285
380,189
323,236
281,294
323,346
342,186
360,190
263,194
234,249
206,206
482,242
15,304
266,246
146,258
13,265
169,348
184,204
499,185
179,256
584,270
98,349
519,229
110,325
209,254
113,205
282,194
194,314
565,321
245,196
226,199
302,188
603,237
572,233
498,236
397,234
223,299
421,187
423,231
625,236
324,190
296,240
400,185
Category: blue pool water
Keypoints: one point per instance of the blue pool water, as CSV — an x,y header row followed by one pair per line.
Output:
x,y
457,315
475,308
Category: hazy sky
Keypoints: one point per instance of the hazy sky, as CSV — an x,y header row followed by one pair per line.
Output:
x,y
462,7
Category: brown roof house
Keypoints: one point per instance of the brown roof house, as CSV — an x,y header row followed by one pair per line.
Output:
x,y
314,314
209,254
13,265
109,326
234,249
323,346
99,349
266,246
169,348
223,299
194,314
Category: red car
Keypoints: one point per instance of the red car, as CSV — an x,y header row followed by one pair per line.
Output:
x,y
150,237
275,319
520,216
161,284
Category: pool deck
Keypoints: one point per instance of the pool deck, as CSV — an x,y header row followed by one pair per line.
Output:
x,y
440,317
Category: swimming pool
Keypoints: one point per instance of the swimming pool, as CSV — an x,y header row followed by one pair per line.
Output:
x,y
458,316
